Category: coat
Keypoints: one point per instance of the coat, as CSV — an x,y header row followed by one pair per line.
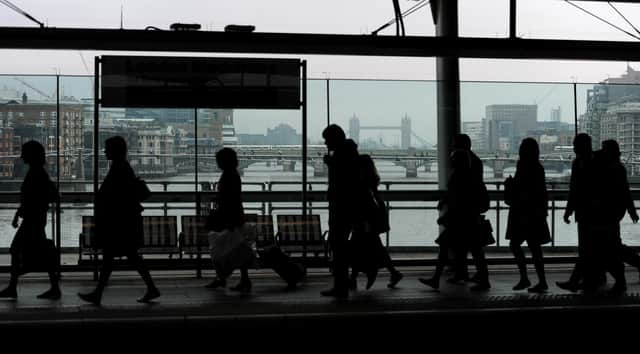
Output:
x,y
118,212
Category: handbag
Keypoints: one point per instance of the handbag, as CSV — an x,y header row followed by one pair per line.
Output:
x,y
380,216
215,220
486,232
141,189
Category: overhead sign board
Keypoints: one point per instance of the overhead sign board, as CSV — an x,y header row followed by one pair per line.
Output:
x,y
191,82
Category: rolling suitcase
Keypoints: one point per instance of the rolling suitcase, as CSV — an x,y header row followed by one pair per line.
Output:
x,y
291,272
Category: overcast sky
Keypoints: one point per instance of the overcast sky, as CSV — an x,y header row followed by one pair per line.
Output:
x,y
487,18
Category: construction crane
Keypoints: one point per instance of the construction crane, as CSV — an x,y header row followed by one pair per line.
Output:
x,y
43,94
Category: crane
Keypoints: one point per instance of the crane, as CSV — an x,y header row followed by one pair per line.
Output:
x,y
43,94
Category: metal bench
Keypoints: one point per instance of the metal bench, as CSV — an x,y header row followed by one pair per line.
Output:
x,y
299,235
159,237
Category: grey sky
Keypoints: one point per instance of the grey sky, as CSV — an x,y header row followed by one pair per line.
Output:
x,y
487,18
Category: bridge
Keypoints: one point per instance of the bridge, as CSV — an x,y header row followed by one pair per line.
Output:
x,y
405,132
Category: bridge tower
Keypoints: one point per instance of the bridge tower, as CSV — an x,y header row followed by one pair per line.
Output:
x,y
354,129
405,132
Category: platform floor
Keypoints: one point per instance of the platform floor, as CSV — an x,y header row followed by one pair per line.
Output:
x,y
186,303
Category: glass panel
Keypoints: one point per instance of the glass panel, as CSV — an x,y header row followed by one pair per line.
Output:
x,y
395,122
27,112
76,152
497,116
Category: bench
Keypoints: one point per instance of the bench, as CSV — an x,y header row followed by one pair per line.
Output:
x,y
194,241
299,235
159,237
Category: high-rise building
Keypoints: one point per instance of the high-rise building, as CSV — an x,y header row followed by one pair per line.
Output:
x,y
507,124
32,120
476,132
625,88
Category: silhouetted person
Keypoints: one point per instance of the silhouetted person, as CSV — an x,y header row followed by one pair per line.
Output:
x,y
526,194
613,201
36,193
459,252
341,160
463,205
118,221
580,200
368,252
228,217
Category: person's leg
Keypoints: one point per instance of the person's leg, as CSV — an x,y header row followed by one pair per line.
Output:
x,y
54,291
521,262
245,284
443,257
340,249
135,259
482,270
95,297
538,263
11,291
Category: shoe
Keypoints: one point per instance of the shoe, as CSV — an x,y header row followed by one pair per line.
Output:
x,y
522,284
335,293
371,278
539,288
149,295
51,294
394,279
91,297
481,286
216,283
9,293
242,286
432,282
568,285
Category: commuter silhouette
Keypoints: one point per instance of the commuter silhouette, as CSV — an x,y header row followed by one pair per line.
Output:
x,y
463,205
226,221
30,246
368,252
459,252
118,221
526,194
342,194
580,200
612,199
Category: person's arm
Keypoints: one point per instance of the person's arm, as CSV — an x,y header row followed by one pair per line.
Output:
x,y
630,205
570,208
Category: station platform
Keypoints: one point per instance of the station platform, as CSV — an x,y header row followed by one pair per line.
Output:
x,y
185,303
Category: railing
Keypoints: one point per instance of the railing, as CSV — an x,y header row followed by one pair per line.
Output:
x,y
410,203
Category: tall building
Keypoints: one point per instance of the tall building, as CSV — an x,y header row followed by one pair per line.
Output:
x,y
32,120
611,91
507,124
476,132
622,123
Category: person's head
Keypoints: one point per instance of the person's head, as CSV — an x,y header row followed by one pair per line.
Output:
x,y
368,171
227,159
462,142
529,150
33,153
611,150
115,148
582,144
333,136
460,161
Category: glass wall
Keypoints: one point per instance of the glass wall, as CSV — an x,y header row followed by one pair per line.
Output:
x,y
394,121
